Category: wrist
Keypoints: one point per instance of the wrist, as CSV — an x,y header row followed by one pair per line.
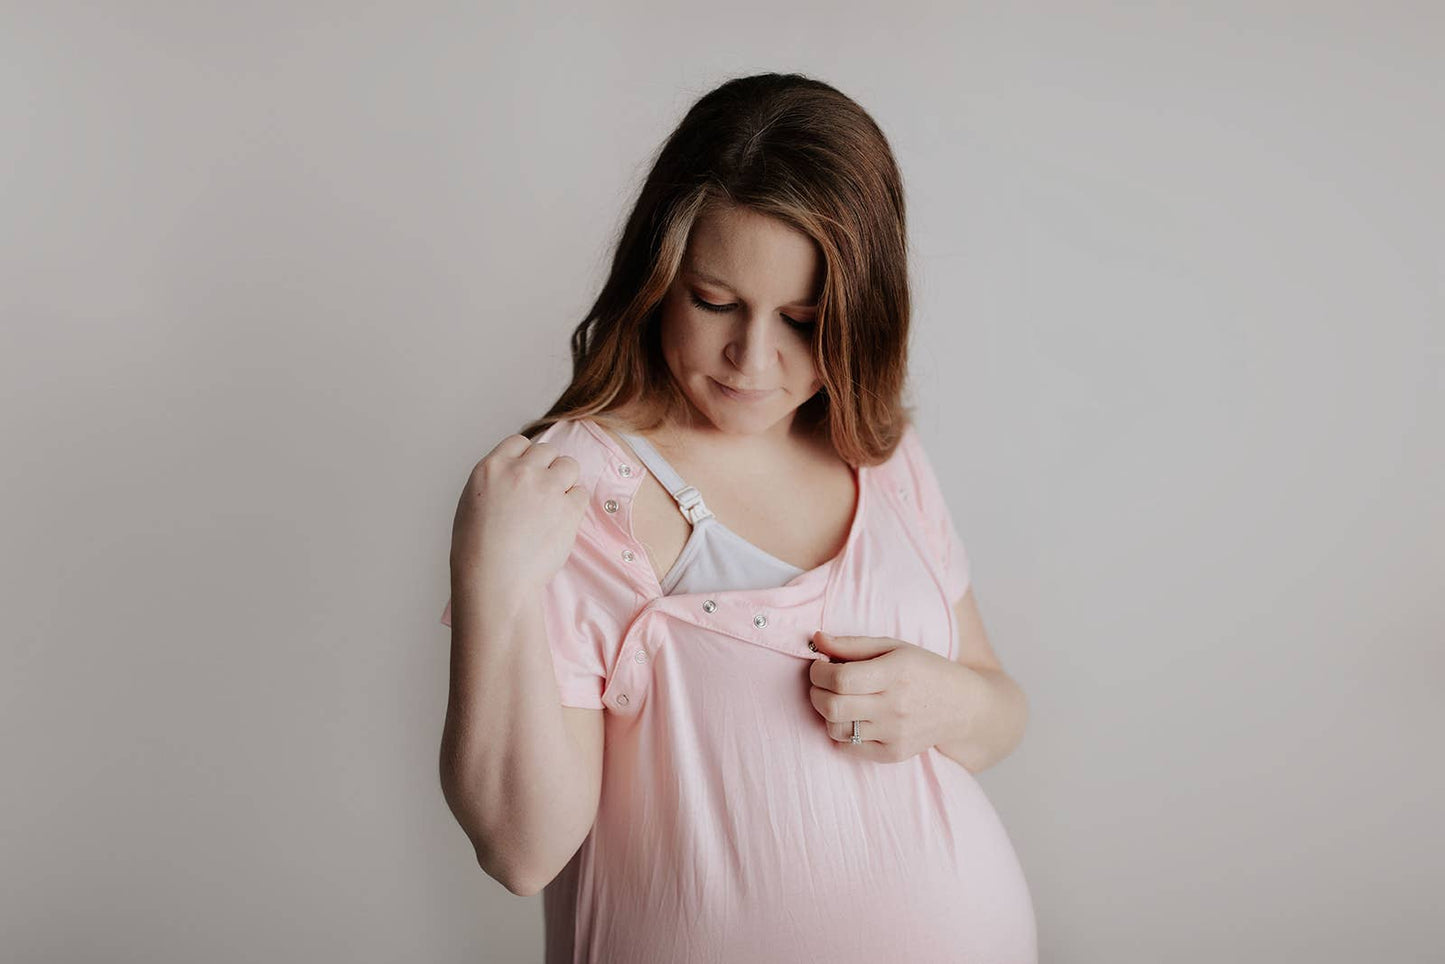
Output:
x,y
972,702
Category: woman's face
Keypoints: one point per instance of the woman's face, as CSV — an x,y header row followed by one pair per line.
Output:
x,y
764,278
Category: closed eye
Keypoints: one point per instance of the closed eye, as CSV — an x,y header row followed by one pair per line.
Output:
x,y
709,306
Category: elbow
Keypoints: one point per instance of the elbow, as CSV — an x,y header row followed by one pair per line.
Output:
x,y
525,888
522,885
1021,723
516,879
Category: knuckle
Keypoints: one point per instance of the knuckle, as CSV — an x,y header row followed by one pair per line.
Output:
x,y
489,466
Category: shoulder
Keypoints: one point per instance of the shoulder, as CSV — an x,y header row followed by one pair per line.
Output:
x,y
580,440
603,470
900,464
910,453
911,470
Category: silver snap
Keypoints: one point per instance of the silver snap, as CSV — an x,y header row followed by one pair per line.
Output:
x,y
622,699
640,656
610,505
709,606
760,620
628,554
812,645
625,470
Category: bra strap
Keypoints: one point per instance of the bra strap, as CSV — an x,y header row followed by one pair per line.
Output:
x,y
687,497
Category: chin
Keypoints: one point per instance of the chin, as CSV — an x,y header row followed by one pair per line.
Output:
x,y
750,423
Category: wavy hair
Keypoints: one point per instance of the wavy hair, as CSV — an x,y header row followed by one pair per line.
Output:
x,y
799,150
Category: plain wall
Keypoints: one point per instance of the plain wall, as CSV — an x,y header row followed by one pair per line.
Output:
x,y
275,276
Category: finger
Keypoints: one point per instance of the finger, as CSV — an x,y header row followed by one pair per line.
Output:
x,y
564,470
511,446
541,454
843,709
870,730
863,676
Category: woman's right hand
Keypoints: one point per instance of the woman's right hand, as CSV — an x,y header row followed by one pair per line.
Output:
x,y
518,516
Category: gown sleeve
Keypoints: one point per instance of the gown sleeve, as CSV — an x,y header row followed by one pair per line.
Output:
x,y
575,636
948,550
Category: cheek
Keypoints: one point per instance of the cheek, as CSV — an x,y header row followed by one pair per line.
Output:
x,y
685,345
805,372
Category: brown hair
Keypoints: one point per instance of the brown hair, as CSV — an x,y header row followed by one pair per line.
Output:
x,y
796,149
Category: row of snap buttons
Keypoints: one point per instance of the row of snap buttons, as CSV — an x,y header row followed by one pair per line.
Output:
x,y
709,606
628,555
638,656
624,470
760,620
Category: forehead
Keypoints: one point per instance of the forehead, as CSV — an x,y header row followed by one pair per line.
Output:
x,y
754,254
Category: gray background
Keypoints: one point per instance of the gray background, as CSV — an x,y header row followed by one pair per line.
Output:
x,y
274,277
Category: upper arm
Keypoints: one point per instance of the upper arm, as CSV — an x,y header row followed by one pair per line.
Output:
x,y
974,648
585,727
587,603
949,555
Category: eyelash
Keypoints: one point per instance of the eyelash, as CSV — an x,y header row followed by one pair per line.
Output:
x,y
801,326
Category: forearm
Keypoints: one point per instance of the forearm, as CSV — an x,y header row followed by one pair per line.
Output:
x,y
992,713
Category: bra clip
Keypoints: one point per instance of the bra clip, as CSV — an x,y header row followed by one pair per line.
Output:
x,y
689,499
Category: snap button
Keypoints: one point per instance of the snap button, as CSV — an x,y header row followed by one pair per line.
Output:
x,y
622,699
629,555
812,645
760,620
709,606
610,505
640,656
625,470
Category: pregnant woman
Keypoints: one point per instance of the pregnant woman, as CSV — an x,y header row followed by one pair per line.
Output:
x,y
719,682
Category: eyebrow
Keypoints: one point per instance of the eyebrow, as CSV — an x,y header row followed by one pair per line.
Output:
x,y
714,279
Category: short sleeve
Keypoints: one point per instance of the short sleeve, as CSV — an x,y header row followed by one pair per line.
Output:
x,y
587,604
927,495
575,635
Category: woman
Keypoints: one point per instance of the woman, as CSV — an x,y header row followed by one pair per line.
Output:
x,y
718,678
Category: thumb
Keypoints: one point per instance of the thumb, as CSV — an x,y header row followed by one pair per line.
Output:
x,y
848,647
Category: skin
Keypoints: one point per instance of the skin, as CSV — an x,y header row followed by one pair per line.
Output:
x,y
766,276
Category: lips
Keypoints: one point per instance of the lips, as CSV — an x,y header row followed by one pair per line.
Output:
x,y
743,395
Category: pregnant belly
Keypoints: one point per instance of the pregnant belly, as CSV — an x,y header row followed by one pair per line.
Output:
x,y
837,860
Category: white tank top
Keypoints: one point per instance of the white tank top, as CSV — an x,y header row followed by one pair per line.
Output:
x,y
714,558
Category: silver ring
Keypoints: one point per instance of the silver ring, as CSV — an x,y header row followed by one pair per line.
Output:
x,y
856,737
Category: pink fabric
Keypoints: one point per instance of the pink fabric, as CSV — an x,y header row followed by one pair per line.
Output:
x,y
731,827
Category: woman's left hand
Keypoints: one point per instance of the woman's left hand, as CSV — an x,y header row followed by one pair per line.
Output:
x,y
907,697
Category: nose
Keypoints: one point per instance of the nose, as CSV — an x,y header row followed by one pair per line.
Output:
x,y
753,349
